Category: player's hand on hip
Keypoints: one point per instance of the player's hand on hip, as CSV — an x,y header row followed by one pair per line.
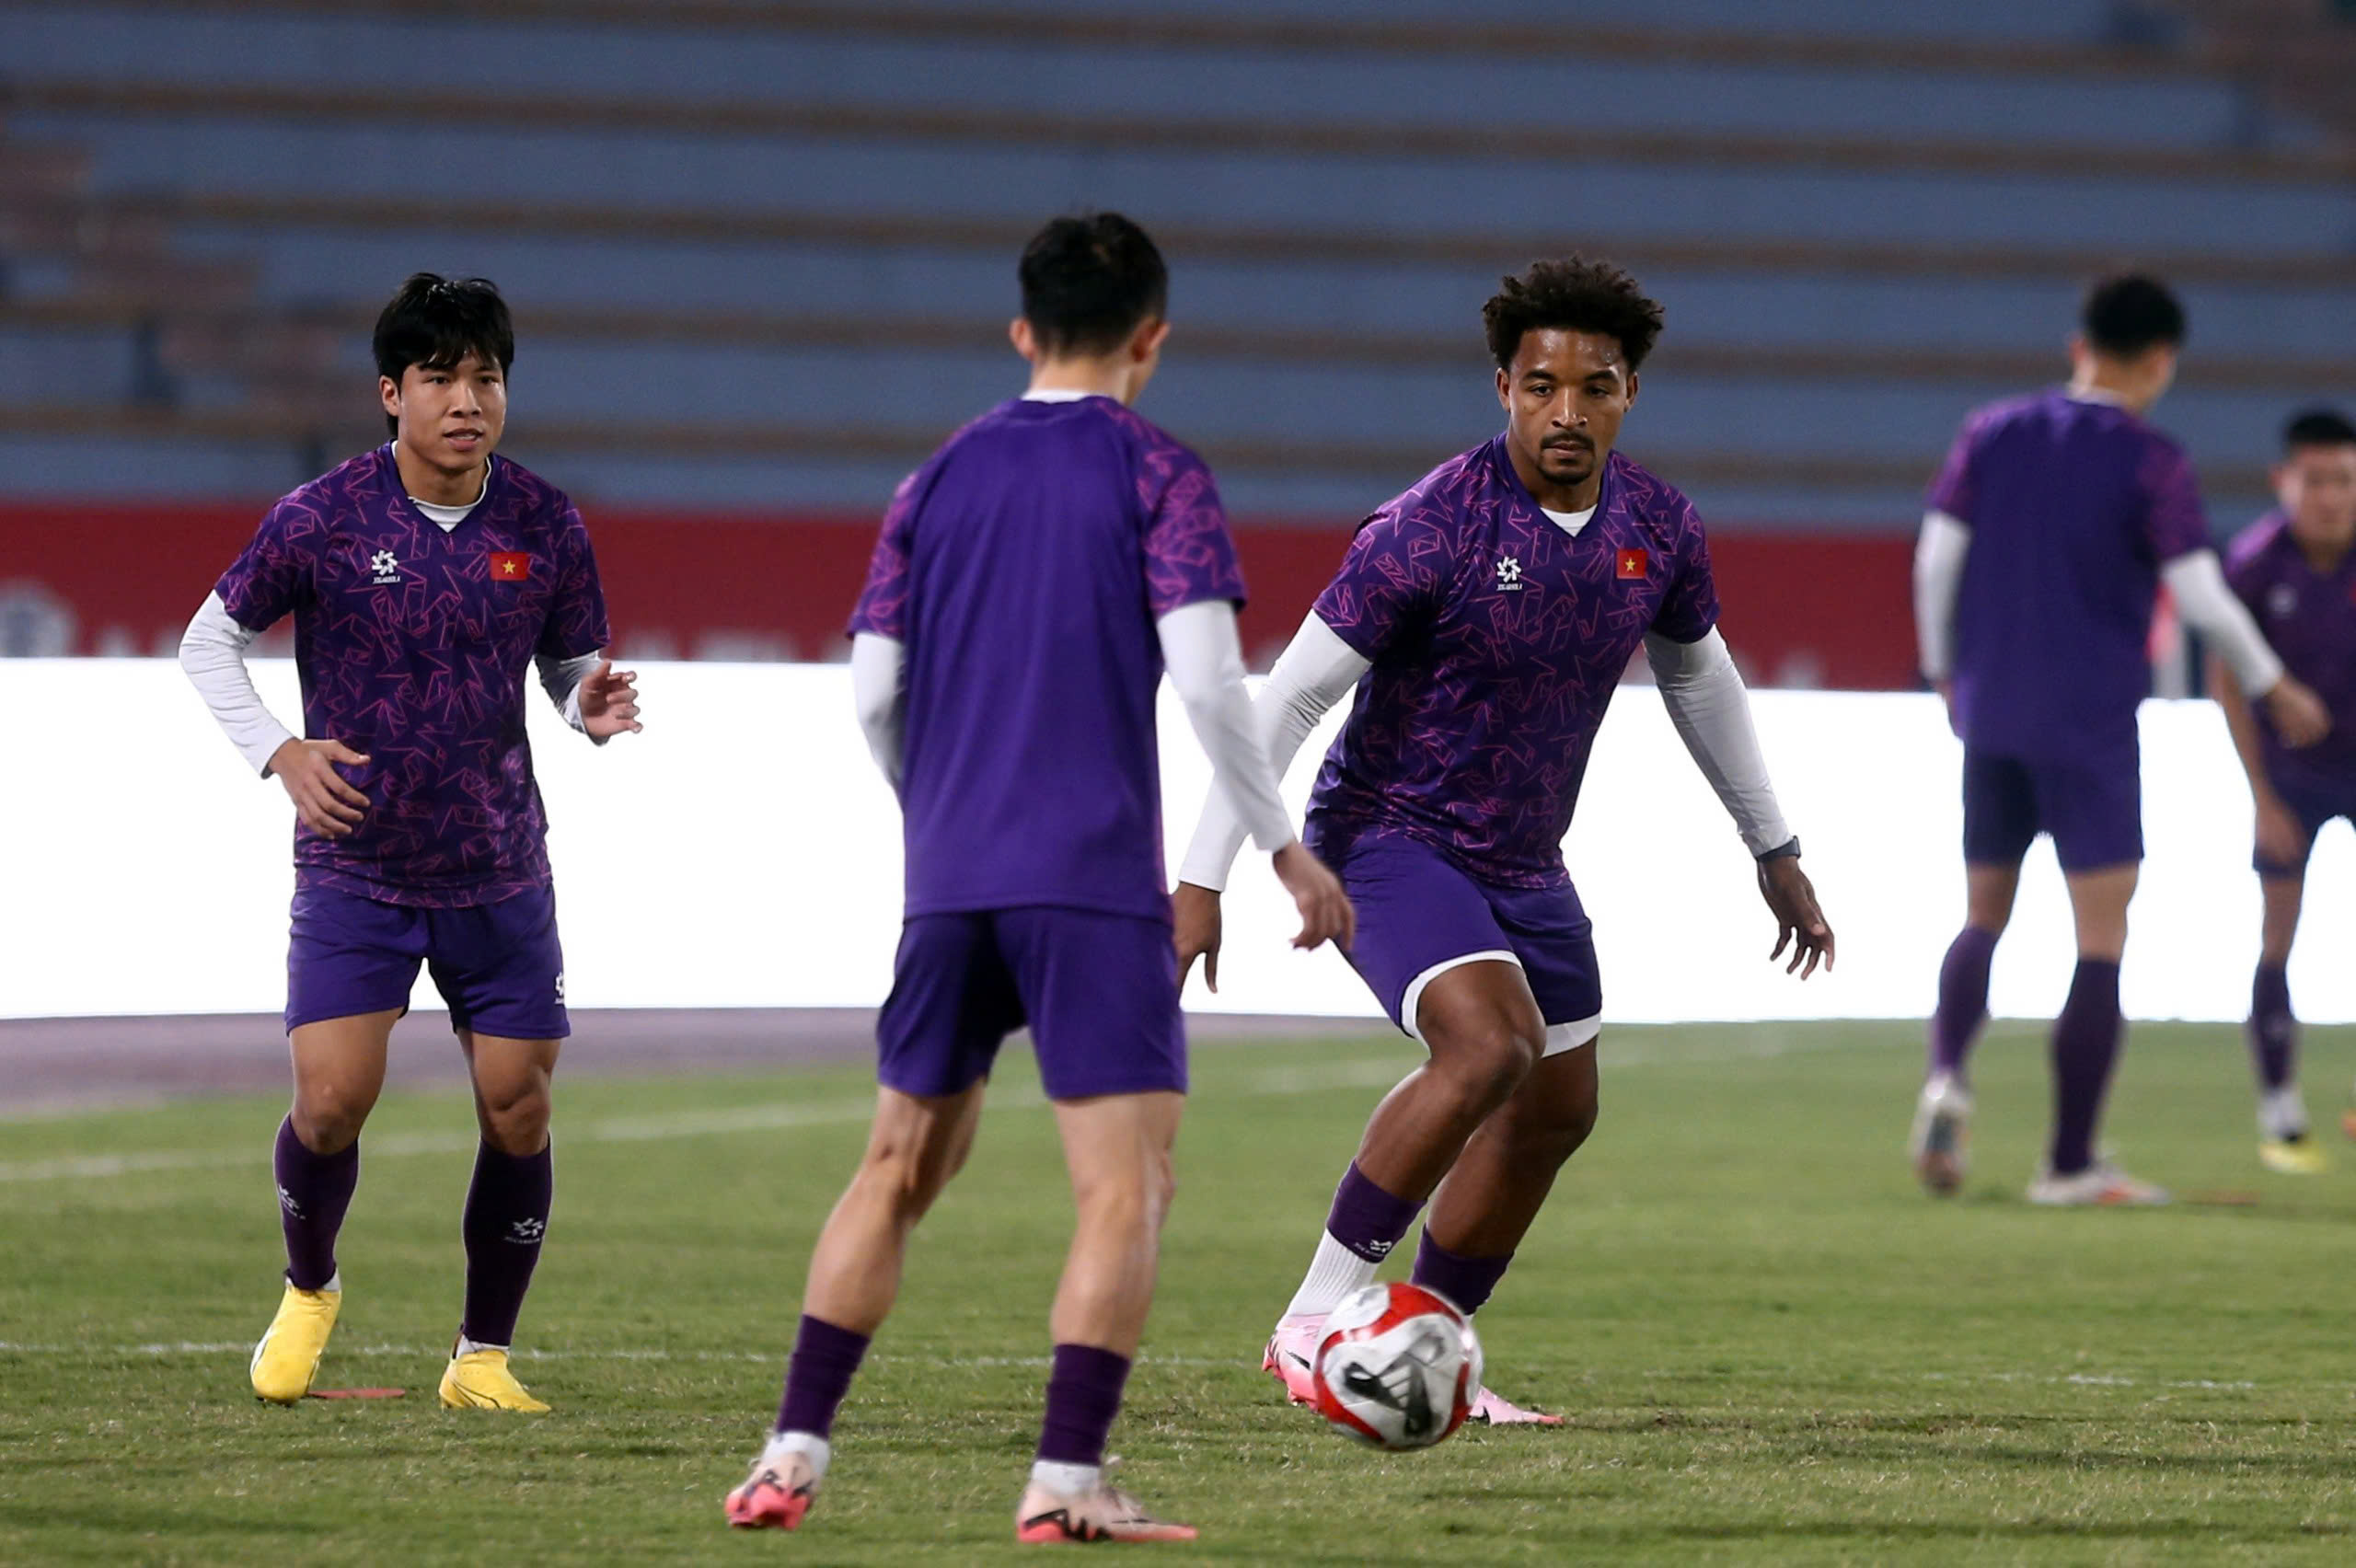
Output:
x,y
2299,715
1325,912
609,701
2282,837
331,807
1799,924
1195,919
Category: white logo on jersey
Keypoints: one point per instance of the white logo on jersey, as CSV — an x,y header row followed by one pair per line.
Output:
x,y
1510,575
386,566
2281,601
560,988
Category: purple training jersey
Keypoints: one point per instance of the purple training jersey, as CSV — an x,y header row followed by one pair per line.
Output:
x,y
2309,616
2074,506
414,647
1024,567
1497,640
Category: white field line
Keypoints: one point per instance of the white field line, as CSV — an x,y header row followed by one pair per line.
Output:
x,y
164,1350
1770,1042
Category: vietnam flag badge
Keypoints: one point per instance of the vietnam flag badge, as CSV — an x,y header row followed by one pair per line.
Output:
x,y
514,566
1635,566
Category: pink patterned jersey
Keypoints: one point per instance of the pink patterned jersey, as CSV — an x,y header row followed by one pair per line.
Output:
x,y
1024,567
1497,639
415,648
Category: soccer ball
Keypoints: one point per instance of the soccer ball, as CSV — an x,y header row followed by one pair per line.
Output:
x,y
1397,1366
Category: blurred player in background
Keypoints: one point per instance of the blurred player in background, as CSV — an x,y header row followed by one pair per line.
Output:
x,y
1485,617
2295,569
427,577
2050,528
1033,582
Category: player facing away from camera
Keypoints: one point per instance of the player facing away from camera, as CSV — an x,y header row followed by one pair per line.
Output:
x,y
1033,580
426,579
1485,617
2295,571
2049,530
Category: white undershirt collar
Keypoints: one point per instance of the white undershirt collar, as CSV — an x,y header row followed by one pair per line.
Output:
x,y
1570,522
448,518
1058,395
2102,395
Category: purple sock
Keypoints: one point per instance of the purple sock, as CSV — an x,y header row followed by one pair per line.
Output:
x,y
2085,1043
314,1190
507,1213
1083,1396
818,1376
1963,999
2273,1031
1465,1281
1366,1219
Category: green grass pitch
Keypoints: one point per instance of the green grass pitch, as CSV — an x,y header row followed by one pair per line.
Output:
x,y
1771,1348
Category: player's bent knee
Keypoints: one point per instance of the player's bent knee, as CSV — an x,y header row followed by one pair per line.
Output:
x,y
520,1127
1486,1062
328,1116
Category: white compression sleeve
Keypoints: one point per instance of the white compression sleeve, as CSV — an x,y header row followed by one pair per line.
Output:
x,y
213,654
2209,606
1707,701
562,678
1317,670
1938,573
876,664
1205,658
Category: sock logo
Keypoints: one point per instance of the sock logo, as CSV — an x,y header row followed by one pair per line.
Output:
x,y
1374,1251
286,1201
527,1232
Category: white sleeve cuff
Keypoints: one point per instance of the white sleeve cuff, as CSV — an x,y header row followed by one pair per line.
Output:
x,y
562,678
1316,671
1939,556
213,655
2209,608
1711,709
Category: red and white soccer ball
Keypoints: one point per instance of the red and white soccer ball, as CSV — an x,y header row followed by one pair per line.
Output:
x,y
1397,1366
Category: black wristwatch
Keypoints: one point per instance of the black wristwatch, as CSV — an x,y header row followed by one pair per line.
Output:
x,y
1789,849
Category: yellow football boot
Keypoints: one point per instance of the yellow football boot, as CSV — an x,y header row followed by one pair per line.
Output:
x,y
288,1356
479,1381
2293,1157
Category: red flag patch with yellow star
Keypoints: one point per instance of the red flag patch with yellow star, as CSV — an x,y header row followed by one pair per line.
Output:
x,y
1634,564
510,566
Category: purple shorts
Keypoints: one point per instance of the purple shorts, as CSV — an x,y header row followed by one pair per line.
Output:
x,y
1099,993
2314,803
498,965
2092,807
1419,917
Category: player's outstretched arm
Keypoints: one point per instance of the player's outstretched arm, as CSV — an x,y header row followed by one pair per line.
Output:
x,y
1250,745
1711,709
2209,606
2280,837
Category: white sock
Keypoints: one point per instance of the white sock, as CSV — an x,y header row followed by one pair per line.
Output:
x,y
467,1347
1332,1273
809,1445
1066,1481
2282,1113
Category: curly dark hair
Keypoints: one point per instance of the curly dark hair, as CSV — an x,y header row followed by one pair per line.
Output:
x,y
1575,294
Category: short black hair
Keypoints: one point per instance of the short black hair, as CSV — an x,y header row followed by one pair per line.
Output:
x,y
436,321
2129,313
2317,427
1088,281
1575,295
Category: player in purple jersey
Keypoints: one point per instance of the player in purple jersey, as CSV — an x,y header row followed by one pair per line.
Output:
x,y
426,579
2295,569
1486,619
2049,530
1033,580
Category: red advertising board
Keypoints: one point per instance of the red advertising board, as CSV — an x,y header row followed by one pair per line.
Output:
x,y
1827,609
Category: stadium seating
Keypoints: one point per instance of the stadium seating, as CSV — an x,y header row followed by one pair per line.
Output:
x,y
760,253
